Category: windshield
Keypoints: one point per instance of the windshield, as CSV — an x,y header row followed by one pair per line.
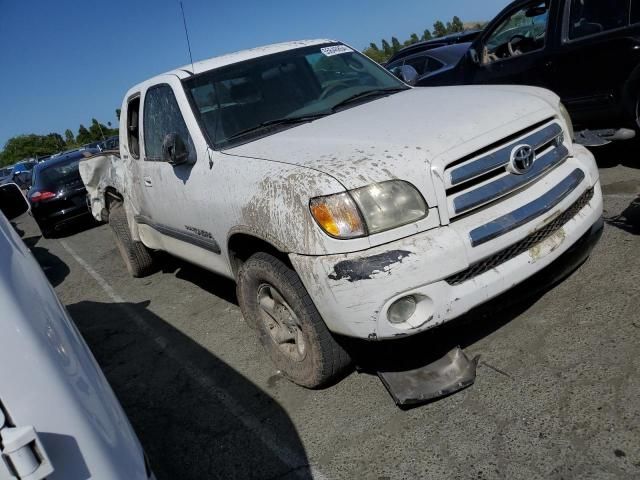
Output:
x,y
234,103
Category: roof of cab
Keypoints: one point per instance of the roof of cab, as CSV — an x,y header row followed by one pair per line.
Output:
x,y
231,58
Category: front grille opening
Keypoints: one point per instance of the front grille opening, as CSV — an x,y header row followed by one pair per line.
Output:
x,y
501,170
523,245
477,181
500,143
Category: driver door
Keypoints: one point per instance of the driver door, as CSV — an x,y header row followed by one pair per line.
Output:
x,y
527,29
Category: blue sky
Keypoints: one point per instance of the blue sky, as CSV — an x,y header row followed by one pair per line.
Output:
x,y
66,61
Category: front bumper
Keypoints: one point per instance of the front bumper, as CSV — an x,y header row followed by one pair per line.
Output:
x,y
353,292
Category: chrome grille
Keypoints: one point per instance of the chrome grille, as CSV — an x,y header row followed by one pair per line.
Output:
x,y
482,178
523,245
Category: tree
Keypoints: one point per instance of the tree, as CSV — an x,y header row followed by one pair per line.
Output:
x,y
395,44
69,139
456,25
84,136
414,38
118,113
376,55
30,146
386,48
374,47
439,30
98,131
427,35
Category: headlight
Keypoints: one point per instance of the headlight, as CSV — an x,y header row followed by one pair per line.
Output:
x,y
567,119
338,216
373,209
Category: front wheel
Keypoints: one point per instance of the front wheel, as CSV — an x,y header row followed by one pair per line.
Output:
x,y
273,299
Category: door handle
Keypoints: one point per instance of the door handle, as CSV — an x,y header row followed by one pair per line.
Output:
x,y
148,182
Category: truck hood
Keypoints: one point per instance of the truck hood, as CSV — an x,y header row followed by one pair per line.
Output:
x,y
393,136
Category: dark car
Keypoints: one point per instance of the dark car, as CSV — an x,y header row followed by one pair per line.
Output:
x,y
6,175
586,51
58,195
111,143
430,62
421,47
22,173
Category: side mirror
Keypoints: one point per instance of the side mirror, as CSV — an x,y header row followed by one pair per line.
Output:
x,y
408,74
473,55
174,149
12,201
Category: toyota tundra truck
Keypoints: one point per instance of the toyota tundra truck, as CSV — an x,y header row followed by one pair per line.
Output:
x,y
343,202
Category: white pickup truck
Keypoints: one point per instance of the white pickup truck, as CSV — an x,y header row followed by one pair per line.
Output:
x,y
342,201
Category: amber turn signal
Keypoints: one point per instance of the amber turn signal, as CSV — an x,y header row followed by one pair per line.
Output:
x,y
338,216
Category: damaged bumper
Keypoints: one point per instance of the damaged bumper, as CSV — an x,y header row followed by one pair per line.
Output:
x,y
442,271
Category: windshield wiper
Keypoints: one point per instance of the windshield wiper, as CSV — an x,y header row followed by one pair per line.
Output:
x,y
281,121
369,93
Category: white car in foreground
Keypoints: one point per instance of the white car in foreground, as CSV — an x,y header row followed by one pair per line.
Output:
x,y
59,418
342,201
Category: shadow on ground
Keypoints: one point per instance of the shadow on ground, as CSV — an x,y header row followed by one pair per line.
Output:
x,y
76,226
629,219
54,268
618,153
210,282
195,415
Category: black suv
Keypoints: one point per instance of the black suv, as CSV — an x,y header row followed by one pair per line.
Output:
x,y
587,51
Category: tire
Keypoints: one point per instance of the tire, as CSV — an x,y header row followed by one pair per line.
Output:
x,y
136,256
312,357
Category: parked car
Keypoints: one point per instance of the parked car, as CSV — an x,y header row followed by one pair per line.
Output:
x,y
22,174
6,174
342,201
434,61
421,47
59,418
58,195
111,143
586,51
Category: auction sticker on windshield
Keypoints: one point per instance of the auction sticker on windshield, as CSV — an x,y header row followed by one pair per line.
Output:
x,y
335,50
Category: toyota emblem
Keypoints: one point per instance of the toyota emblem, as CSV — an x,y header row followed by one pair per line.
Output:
x,y
522,159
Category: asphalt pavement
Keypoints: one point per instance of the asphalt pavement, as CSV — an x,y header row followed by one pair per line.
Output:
x,y
557,394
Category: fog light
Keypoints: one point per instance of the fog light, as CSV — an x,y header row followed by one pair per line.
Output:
x,y
401,310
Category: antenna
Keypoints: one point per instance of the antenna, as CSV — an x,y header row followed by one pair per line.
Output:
x,y
186,32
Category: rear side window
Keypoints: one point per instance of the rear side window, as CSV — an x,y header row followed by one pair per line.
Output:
x,y
433,65
590,17
133,127
418,63
162,116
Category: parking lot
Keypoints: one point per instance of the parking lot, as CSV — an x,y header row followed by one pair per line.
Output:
x,y
556,394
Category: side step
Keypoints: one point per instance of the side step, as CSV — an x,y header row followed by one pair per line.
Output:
x,y
599,138
450,374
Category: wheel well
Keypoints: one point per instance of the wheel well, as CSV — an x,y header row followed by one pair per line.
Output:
x,y
241,246
111,196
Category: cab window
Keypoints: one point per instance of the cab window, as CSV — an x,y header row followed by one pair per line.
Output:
x,y
522,32
590,17
161,116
